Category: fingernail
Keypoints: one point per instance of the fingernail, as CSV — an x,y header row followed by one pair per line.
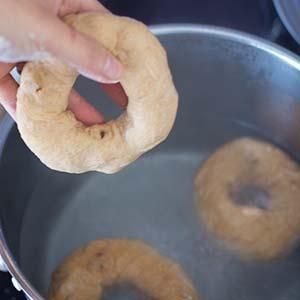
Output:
x,y
112,69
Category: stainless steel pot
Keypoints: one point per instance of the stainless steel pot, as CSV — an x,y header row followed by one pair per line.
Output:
x,y
230,84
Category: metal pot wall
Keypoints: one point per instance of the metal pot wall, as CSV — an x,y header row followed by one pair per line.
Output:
x,y
230,85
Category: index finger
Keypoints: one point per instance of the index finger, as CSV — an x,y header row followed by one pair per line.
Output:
x,y
75,6
116,92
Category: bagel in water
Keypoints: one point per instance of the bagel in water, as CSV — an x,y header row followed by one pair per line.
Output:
x,y
102,267
63,143
248,195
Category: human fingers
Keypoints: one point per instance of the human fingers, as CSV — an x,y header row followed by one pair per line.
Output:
x,y
88,56
8,92
116,93
83,110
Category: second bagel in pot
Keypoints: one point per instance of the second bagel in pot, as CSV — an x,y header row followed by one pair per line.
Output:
x,y
247,194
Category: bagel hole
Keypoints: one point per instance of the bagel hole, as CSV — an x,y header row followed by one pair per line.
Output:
x,y
100,96
251,195
124,291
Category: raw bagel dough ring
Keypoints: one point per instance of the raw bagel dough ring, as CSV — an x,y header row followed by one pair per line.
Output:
x,y
247,195
101,264
65,144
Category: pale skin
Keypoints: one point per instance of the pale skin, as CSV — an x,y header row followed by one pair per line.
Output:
x,y
33,29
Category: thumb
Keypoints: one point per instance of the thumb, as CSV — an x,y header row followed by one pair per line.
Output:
x,y
87,55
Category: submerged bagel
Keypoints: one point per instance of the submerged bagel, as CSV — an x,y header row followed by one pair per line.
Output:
x,y
247,195
107,264
61,142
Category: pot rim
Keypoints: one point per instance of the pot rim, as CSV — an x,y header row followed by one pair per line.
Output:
x,y
159,30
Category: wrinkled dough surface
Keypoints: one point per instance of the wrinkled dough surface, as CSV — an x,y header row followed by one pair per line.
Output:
x,y
89,270
258,230
63,143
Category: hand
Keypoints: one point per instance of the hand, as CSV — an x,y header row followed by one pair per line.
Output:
x,y
33,29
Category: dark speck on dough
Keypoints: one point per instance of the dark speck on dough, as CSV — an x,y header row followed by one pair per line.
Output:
x,y
102,134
